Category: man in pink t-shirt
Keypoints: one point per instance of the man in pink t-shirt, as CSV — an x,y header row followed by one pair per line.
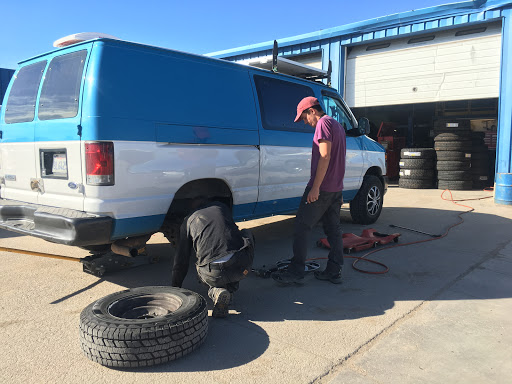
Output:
x,y
322,198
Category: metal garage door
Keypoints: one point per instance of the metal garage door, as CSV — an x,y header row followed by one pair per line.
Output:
x,y
451,65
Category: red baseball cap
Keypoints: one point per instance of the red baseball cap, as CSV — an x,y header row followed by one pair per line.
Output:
x,y
304,104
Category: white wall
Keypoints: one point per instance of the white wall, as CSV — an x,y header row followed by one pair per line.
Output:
x,y
447,68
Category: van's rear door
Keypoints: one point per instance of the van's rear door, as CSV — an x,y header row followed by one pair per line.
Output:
x,y
17,157
57,146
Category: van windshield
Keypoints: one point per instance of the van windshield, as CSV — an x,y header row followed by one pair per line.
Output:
x,y
21,103
61,87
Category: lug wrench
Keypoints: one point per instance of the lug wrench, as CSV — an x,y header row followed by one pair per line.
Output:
x,y
414,230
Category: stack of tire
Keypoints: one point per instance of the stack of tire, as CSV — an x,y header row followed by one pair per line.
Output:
x,y
417,168
453,150
479,161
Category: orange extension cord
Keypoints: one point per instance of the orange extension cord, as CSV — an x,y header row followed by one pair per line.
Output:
x,y
386,268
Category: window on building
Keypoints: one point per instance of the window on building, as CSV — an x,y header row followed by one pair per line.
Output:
x,y
21,102
278,101
61,87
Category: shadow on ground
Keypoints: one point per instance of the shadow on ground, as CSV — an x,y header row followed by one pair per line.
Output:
x,y
417,272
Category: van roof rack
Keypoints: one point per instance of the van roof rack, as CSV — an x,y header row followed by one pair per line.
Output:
x,y
278,64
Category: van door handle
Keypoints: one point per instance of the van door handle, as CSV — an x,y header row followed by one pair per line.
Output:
x,y
1,135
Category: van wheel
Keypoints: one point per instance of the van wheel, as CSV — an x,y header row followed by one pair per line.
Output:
x,y
143,326
367,205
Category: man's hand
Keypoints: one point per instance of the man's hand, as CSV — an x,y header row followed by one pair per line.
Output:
x,y
313,195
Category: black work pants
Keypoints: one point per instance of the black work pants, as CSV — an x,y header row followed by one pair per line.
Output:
x,y
327,210
229,273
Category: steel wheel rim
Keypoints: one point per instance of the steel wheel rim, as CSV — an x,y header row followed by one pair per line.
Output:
x,y
373,200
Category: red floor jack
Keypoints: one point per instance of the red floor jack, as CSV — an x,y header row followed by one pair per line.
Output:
x,y
368,239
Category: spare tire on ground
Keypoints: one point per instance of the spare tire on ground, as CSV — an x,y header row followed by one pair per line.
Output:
x,y
143,326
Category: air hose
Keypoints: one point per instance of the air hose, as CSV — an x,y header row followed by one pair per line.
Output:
x,y
386,268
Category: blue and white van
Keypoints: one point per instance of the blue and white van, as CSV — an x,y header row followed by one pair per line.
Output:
x,y
101,140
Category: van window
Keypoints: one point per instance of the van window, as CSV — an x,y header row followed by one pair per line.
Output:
x,y
334,108
61,87
21,103
278,103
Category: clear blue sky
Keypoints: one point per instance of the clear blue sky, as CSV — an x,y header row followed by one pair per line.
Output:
x,y
29,27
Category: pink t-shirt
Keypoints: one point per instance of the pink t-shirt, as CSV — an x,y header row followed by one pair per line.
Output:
x,y
329,129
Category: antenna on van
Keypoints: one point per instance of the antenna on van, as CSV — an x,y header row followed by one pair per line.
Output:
x,y
274,57
329,72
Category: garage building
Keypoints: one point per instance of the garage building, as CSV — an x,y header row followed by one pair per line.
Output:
x,y
418,71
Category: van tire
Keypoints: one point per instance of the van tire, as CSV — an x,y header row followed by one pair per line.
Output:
x,y
367,204
143,326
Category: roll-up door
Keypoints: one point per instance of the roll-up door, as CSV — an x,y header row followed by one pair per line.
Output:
x,y
459,64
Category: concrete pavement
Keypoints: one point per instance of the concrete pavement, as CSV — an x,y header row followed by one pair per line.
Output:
x,y
441,315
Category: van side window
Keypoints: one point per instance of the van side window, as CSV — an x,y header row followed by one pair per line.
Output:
x,y
61,87
334,108
278,101
21,103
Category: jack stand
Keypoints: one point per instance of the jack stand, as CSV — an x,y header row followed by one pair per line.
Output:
x,y
98,265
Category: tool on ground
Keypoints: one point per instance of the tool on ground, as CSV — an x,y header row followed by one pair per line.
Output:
x,y
414,230
96,264
266,272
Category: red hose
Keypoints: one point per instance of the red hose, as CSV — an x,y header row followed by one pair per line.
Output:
x,y
386,268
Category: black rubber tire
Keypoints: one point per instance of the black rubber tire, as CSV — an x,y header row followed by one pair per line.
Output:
x,y
367,204
420,174
417,153
451,137
454,175
143,326
416,163
452,155
453,146
416,183
455,185
453,165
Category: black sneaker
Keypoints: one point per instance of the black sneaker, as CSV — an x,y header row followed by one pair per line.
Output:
x,y
287,278
221,298
334,278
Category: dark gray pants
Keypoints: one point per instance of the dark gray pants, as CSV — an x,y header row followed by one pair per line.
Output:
x,y
228,274
327,210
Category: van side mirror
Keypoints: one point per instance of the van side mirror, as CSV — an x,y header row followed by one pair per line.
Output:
x,y
363,126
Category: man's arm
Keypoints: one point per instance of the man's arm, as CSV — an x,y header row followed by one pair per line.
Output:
x,y
324,147
182,257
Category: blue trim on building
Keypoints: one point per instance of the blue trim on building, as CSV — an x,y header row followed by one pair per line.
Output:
x,y
392,26
503,180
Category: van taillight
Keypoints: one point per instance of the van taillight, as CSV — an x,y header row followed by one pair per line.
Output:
x,y
99,163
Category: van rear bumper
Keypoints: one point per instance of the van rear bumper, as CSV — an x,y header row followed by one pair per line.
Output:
x,y
58,225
